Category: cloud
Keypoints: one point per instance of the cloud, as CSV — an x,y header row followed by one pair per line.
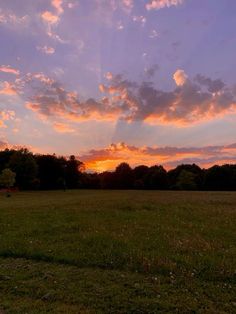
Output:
x,y
7,88
46,49
150,72
212,86
122,99
49,17
188,103
180,77
126,5
11,20
62,127
57,4
6,115
9,69
52,20
72,5
153,34
161,4
120,26
108,158
108,76
139,19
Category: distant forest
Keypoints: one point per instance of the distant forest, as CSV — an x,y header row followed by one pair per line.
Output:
x,y
47,172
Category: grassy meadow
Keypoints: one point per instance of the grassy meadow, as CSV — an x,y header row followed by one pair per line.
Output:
x,y
118,252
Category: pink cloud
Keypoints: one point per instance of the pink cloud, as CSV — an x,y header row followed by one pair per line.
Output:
x,y
57,4
6,115
46,49
62,128
192,101
49,17
8,89
180,77
9,69
11,20
160,4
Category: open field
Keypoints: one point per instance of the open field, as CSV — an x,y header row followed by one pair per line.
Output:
x,y
118,252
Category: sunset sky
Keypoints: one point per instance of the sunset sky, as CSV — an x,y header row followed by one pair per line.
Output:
x,y
142,81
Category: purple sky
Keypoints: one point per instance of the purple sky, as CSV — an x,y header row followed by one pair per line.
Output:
x,y
79,75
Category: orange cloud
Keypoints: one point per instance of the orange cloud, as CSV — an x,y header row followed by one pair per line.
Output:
x,y
180,77
62,127
9,69
57,4
108,158
49,17
6,115
8,89
192,101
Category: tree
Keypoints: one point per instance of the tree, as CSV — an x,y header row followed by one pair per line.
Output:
x,y
220,178
124,176
23,163
51,171
72,172
156,178
186,180
139,175
7,179
5,156
174,174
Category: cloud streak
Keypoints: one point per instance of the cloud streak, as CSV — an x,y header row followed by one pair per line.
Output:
x,y
9,69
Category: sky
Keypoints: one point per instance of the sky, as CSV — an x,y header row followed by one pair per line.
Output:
x,y
110,81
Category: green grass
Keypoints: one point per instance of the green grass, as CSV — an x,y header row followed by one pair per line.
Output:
x,y
118,252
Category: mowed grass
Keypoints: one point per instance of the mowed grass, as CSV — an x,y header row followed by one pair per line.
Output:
x,y
118,252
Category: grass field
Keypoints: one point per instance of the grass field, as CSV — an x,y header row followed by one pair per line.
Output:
x,y
118,252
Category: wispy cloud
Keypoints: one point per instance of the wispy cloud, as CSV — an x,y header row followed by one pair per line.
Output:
x,y
6,115
7,88
57,4
9,69
62,128
10,19
161,4
47,50
139,19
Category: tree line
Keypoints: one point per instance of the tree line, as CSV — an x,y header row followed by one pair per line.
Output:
x,y
27,171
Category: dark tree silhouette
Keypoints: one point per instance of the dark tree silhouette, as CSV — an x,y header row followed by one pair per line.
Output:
x,y
186,180
23,163
156,178
55,172
220,178
198,173
139,175
123,176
